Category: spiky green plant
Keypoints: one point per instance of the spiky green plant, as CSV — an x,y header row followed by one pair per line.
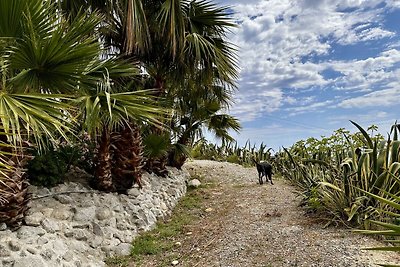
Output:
x,y
331,171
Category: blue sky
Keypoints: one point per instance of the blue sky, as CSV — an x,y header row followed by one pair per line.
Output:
x,y
310,66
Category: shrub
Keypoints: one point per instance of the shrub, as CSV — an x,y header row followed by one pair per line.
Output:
x,y
233,159
47,169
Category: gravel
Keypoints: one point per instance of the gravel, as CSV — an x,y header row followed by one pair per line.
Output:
x,y
253,225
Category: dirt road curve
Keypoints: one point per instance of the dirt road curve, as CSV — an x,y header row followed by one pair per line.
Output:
x,y
248,225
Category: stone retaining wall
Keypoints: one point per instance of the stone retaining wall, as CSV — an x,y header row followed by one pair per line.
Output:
x,y
81,229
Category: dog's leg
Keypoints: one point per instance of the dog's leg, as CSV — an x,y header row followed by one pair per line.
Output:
x,y
260,178
270,178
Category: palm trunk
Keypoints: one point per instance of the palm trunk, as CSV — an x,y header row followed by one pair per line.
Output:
x,y
128,156
103,177
14,198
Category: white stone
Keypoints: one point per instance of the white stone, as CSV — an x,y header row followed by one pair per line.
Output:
x,y
85,214
51,226
4,252
194,183
62,213
103,213
14,245
64,199
123,249
3,226
34,219
47,212
174,263
26,232
82,230
30,261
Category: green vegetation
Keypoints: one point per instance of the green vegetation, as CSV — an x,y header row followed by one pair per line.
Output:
x,y
231,152
140,80
114,72
47,169
162,239
335,173
347,179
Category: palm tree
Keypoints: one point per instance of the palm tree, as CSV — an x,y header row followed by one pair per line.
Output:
x,y
46,62
108,117
171,39
200,107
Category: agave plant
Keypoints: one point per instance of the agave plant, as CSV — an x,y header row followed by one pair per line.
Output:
x,y
390,229
333,187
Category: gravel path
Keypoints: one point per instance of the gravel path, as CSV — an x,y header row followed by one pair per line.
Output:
x,y
252,225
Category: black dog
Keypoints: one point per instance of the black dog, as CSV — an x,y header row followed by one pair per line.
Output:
x,y
264,169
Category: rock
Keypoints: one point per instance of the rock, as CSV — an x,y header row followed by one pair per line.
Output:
x,y
8,262
80,234
208,210
122,225
47,254
51,226
103,214
59,247
117,208
163,207
81,225
57,235
95,242
97,229
30,261
125,236
85,214
23,253
174,263
14,245
32,250
112,222
123,249
4,252
34,219
33,190
43,191
42,241
62,214
3,226
68,256
26,232
63,199
88,204
47,212
69,233
194,183
178,244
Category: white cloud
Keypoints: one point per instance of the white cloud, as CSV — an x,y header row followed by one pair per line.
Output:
x,y
318,106
280,41
381,98
369,117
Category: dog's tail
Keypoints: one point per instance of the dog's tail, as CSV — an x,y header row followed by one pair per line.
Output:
x,y
254,160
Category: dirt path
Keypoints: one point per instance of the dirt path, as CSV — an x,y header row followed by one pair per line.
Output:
x,y
246,224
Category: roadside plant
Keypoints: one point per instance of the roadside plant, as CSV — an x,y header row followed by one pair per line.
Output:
x,y
333,174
